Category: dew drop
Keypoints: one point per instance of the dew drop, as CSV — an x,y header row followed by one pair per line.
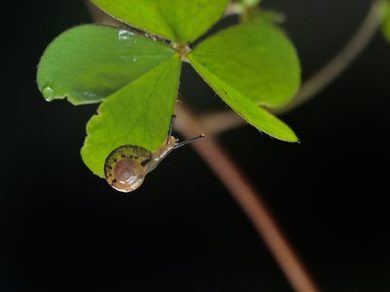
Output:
x,y
135,58
124,34
48,93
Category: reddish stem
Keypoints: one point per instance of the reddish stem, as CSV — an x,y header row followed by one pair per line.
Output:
x,y
249,200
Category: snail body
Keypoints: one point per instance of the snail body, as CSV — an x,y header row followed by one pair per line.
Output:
x,y
125,167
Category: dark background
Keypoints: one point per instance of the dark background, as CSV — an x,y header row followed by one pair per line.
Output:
x,y
63,229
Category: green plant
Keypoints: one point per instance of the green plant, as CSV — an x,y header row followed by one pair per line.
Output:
x,y
252,66
136,75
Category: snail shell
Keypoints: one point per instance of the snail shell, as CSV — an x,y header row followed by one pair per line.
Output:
x,y
125,167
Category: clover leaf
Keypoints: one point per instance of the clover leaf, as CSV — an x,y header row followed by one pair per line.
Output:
x,y
136,77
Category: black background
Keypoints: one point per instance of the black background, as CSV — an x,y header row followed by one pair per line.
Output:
x,y
63,229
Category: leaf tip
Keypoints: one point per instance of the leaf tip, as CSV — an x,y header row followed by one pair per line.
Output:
x,y
290,137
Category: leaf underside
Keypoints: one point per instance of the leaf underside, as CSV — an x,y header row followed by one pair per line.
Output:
x,y
247,109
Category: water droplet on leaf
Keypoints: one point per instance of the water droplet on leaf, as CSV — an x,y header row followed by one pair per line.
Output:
x,y
124,34
48,93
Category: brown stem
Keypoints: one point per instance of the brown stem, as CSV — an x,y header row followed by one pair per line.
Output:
x,y
99,16
248,199
245,195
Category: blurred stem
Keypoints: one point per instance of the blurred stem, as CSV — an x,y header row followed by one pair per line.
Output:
x,y
216,123
354,47
99,16
248,199
244,194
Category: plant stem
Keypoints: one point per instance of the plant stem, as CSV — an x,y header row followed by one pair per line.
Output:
x,y
216,123
248,199
244,194
355,46
99,16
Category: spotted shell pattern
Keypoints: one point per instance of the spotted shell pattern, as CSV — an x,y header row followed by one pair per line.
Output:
x,y
126,167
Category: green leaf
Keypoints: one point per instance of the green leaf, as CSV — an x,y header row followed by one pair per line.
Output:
x,y
138,114
386,22
178,20
256,116
272,16
256,59
250,3
89,62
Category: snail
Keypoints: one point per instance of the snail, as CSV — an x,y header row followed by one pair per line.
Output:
x,y
125,167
